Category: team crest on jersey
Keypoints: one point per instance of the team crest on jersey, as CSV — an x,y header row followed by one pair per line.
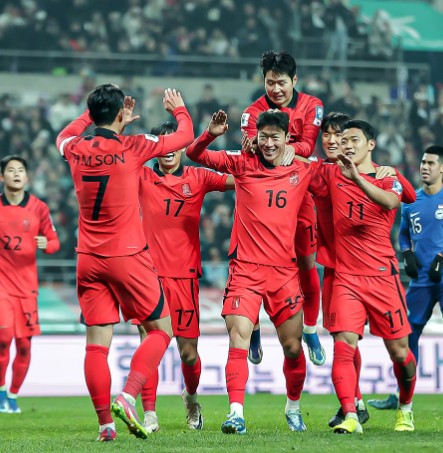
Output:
x,y
439,212
26,225
293,178
318,115
235,303
186,189
245,119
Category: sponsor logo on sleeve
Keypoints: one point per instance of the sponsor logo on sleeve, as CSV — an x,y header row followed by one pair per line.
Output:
x,y
318,115
397,187
439,212
245,119
151,137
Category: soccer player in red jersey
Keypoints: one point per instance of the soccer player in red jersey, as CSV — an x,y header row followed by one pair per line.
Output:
x,y
305,116
332,127
25,226
263,264
366,283
114,268
171,197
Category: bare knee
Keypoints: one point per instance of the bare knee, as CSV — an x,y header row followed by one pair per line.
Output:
x,y
292,347
188,353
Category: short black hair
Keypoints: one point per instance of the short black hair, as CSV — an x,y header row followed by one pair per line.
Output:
x,y
5,161
104,103
273,118
368,130
164,128
335,120
280,62
435,149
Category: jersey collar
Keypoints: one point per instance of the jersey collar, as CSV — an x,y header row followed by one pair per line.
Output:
x,y
157,171
22,204
103,132
264,162
291,105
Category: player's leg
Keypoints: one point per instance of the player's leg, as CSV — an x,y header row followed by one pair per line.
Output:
x,y
405,373
20,367
255,353
135,285
236,371
191,369
347,320
294,369
305,247
6,336
98,377
149,393
387,315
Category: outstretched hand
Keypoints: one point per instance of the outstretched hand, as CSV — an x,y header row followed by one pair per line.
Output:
x,y
347,167
172,99
247,144
218,124
128,109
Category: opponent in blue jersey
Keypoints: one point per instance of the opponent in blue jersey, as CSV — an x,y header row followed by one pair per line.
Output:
x,y
421,242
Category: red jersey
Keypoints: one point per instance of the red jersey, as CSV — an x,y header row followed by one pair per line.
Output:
x,y
325,222
106,168
362,228
171,206
19,224
305,116
268,199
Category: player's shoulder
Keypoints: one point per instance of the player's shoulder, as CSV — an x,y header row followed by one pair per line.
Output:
x,y
253,110
309,98
35,203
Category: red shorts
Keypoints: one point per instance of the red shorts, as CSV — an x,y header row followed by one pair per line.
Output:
x,y
356,298
20,315
306,233
326,294
248,284
129,283
182,297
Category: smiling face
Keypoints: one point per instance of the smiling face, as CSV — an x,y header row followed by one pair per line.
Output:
x,y
271,142
15,176
171,161
331,142
280,88
431,169
356,146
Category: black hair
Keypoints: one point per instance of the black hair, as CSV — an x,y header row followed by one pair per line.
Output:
x,y
435,149
5,161
104,103
273,118
368,130
164,128
335,120
280,62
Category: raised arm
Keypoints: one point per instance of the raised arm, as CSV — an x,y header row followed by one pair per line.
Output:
x,y
218,160
384,198
73,129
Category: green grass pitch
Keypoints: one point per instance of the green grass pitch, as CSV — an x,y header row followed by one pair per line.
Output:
x,y
69,425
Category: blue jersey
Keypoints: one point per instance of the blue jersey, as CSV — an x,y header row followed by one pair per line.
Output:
x,y
421,230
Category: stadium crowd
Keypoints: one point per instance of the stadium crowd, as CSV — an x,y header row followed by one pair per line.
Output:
x,y
224,28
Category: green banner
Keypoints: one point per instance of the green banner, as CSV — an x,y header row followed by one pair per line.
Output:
x,y
418,25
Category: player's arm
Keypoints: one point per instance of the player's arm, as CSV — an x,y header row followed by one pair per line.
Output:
x,y
217,160
47,239
386,199
311,128
410,260
318,185
230,183
408,195
73,129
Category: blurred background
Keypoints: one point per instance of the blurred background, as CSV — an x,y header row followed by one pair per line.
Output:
x,y
376,60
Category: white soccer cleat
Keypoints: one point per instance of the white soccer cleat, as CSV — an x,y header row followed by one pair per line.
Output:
x,y
150,422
